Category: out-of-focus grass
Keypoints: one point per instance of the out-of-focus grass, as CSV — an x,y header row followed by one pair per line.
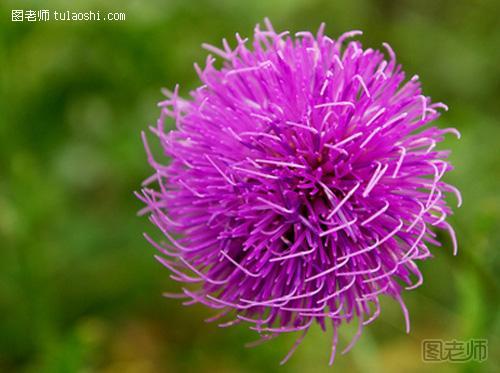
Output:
x,y
79,289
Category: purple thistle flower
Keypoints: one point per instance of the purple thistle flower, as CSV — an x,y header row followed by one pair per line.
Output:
x,y
303,183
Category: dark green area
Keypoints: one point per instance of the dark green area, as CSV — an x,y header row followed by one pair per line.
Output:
x,y
79,288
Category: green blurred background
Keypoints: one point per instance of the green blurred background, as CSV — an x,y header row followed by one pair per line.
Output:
x,y
79,288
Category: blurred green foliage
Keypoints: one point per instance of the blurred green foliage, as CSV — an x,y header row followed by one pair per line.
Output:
x,y
79,289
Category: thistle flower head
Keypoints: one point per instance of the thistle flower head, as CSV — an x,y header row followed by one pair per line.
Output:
x,y
301,184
